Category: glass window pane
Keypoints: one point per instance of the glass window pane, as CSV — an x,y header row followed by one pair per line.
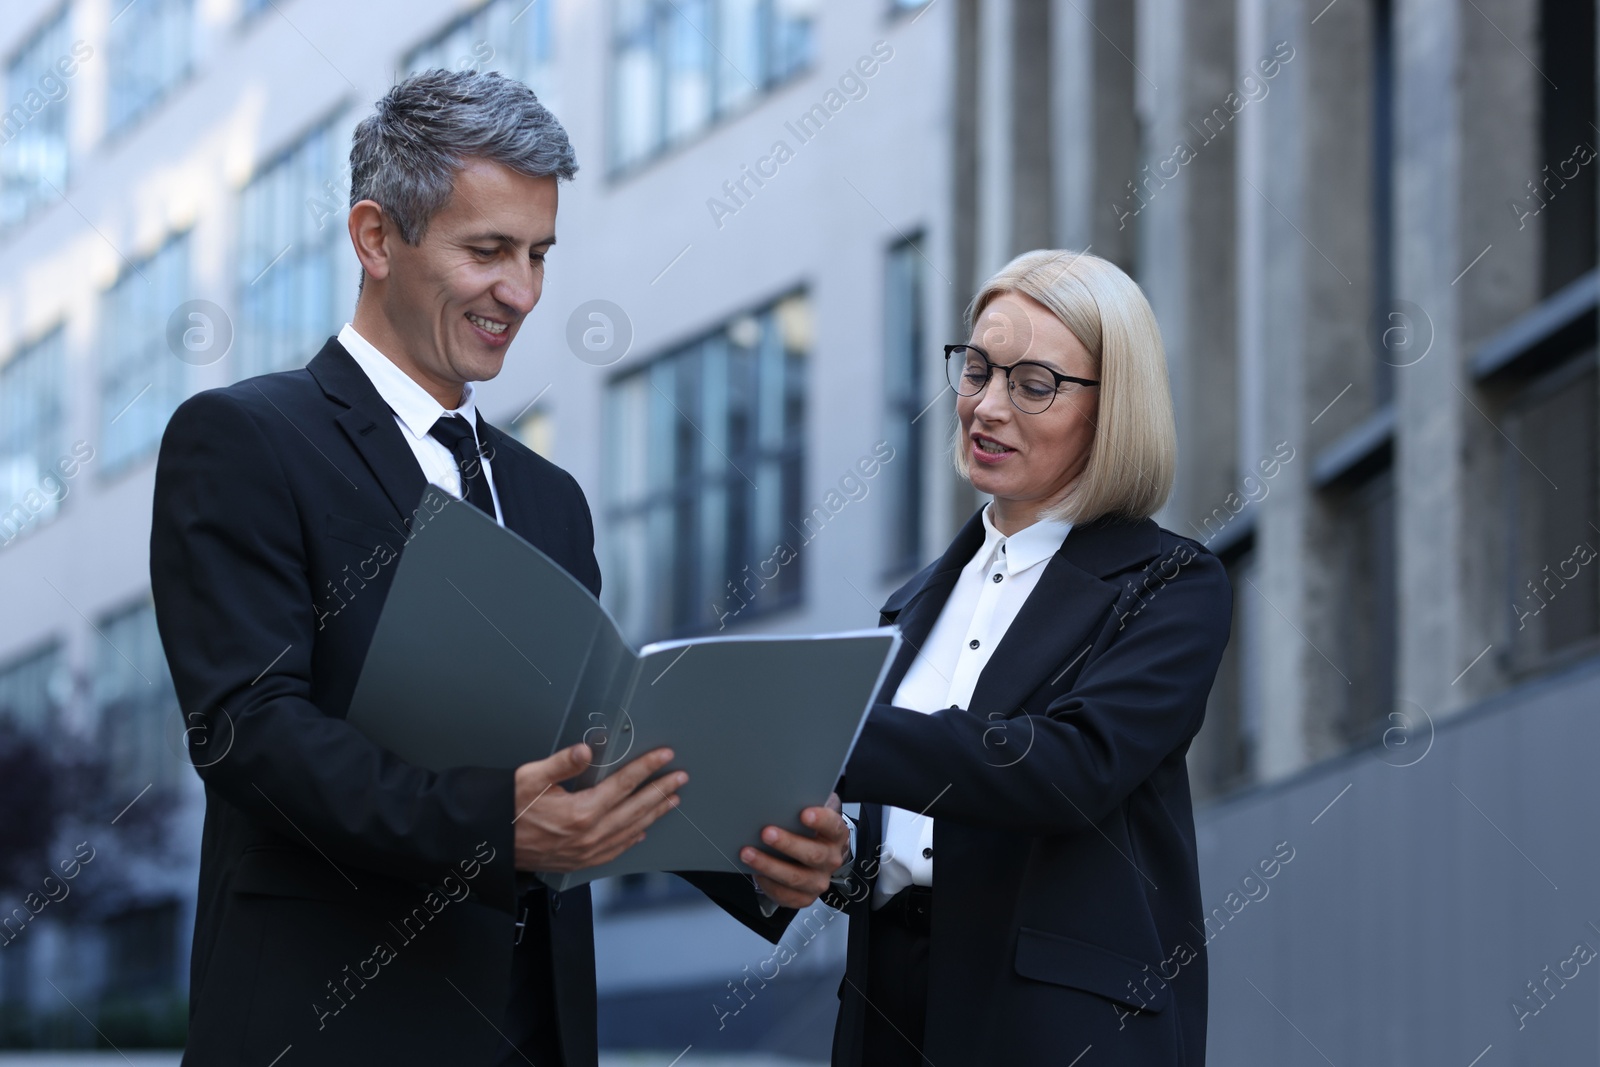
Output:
x,y
149,51
678,66
791,43
512,37
135,700
740,69
1555,478
141,381
691,436
32,441
1222,757
291,248
689,70
1365,561
34,688
905,404
637,94
33,128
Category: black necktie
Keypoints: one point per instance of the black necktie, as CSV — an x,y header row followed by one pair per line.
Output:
x,y
455,433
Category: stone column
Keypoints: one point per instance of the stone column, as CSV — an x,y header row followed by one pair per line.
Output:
x,y
1094,129
996,165
1181,208
1306,370
1467,142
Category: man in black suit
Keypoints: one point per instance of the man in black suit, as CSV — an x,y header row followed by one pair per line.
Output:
x,y
354,908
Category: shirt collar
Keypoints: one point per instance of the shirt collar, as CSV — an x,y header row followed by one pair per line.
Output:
x,y
412,404
1027,547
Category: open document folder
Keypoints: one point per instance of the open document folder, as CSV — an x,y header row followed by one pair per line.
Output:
x,y
488,654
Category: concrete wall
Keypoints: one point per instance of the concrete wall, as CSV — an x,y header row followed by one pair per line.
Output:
x,y
1432,879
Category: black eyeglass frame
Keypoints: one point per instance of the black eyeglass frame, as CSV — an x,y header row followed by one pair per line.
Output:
x,y
949,350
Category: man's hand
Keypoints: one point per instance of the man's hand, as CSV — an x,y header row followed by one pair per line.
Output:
x,y
800,879
558,830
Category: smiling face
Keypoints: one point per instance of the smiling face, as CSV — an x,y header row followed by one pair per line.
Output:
x,y
1027,462
446,309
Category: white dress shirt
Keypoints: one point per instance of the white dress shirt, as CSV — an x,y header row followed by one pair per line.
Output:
x,y
415,410
986,598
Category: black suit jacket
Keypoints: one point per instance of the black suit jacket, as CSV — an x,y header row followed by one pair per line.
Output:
x,y
1066,906
350,904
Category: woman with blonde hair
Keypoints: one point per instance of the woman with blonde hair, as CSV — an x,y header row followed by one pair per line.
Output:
x,y
1031,734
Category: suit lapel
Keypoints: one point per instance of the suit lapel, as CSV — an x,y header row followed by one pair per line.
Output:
x,y
512,485
369,424
370,427
1063,613
537,506
915,606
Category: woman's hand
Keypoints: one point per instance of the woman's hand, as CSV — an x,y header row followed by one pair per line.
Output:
x,y
802,873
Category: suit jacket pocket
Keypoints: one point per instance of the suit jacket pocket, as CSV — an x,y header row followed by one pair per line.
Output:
x,y
1065,961
362,534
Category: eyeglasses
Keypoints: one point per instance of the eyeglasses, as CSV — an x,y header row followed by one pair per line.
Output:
x,y
1032,386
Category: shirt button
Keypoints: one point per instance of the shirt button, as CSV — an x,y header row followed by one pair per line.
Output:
x,y
973,643
555,902
997,576
927,853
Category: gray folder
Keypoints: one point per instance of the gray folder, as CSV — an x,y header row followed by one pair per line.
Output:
x,y
489,654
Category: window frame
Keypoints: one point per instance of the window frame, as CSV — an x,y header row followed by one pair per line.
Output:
x,y
774,76
330,241
52,434
1522,661
908,508
58,21
1240,722
663,505
52,650
120,124
179,380
146,703
526,71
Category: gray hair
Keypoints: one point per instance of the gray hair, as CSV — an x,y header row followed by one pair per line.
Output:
x,y
405,155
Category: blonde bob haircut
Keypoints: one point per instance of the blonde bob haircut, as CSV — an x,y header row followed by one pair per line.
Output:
x,y
1134,453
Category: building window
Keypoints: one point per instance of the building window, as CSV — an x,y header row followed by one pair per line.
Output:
x,y
32,388
1553,473
150,51
1563,196
33,130
1365,545
290,239
34,688
1222,757
135,701
680,65
536,428
904,372
509,36
1355,480
1389,322
141,381
704,463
